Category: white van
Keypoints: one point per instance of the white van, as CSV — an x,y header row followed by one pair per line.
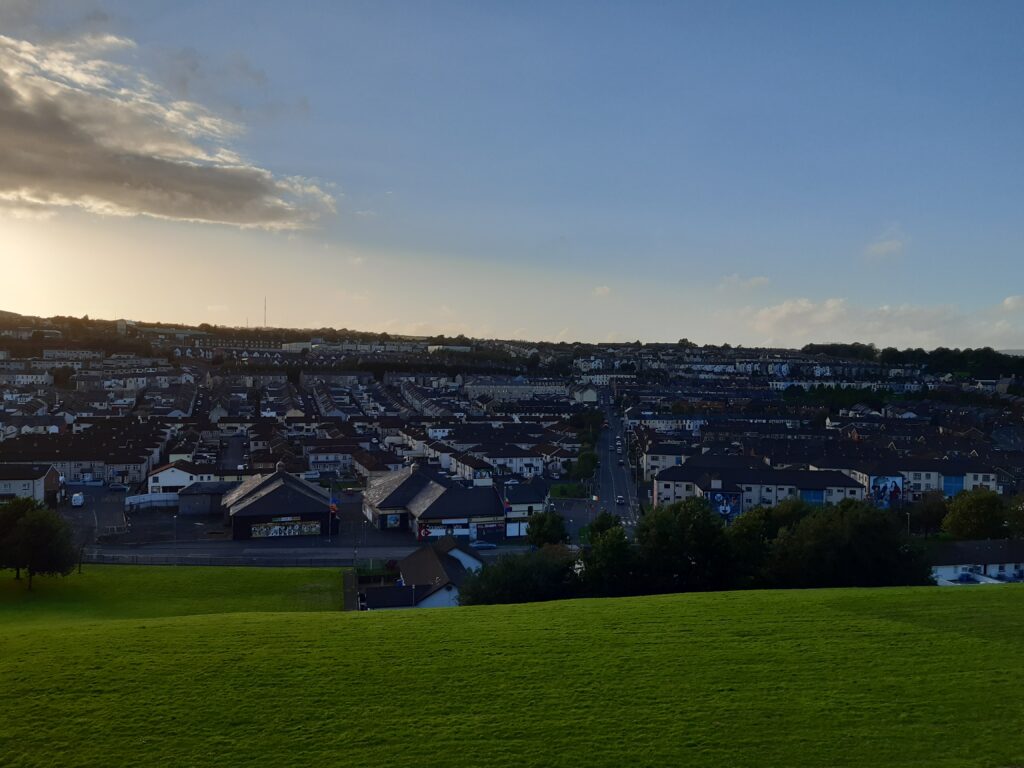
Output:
x,y
78,500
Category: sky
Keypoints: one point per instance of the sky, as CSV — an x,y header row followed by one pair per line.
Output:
x,y
742,172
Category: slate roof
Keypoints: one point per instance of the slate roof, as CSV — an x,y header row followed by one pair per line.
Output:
x,y
981,552
396,596
430,497
277,492
802,479
210,487
23,471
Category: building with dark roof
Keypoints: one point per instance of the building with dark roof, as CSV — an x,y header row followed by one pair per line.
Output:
x,y
29,481
977,561
433,505
275,505
731,490
430,578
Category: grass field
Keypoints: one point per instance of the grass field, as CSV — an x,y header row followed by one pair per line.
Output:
x,y
226,667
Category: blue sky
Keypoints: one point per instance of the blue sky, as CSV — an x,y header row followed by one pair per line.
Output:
x,y
743,172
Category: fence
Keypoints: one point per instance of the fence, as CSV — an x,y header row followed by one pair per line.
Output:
x,y
125,558
149,500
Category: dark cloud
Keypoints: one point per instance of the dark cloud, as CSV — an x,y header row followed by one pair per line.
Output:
x,y
79,130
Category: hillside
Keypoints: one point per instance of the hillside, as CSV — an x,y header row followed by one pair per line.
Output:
x,y
191,666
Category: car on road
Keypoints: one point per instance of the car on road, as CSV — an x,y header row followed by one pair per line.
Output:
x,y
621,463
481,544
620,499
78,500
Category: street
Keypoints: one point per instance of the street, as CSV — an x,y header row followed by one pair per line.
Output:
x,y
614,480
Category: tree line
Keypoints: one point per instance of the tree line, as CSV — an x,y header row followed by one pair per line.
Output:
x,y
982,363
687,547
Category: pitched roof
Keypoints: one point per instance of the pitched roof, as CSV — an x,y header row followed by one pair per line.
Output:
x,y
24,471
434,567
980,552
300,495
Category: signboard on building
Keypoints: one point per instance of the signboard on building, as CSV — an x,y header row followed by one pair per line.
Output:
x,y
886,491
285,527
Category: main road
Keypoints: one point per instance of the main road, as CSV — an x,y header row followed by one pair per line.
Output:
x,y
615,475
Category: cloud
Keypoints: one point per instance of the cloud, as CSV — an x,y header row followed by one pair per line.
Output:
x,y
1013,303
81,130
735,282
798,321
602,291
888,246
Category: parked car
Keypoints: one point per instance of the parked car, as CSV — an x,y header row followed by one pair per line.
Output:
x,y
621,463
78,500
481,544
620,499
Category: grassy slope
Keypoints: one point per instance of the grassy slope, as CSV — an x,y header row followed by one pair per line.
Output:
x,y
898,677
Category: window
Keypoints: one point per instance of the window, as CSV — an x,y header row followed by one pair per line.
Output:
x,y
917,475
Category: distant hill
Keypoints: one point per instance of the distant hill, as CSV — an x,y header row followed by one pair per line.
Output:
x,y
1017,352
239,667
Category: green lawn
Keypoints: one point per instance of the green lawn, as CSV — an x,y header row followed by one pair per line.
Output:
x,y
225,667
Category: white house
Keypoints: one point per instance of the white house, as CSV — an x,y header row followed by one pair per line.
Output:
x,y
972,562
430,578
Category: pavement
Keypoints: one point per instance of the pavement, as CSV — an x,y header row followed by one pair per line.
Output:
x,y
102,513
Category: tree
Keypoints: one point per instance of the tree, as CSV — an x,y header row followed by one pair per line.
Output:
x,y
977,514
751,536
547,574
11,513
585,465
853,544
546,528
605,521
927,514
42,544
683,547
62,376
611,564
1015,517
